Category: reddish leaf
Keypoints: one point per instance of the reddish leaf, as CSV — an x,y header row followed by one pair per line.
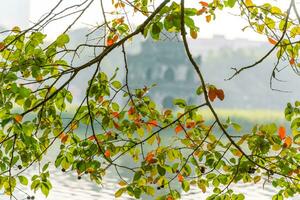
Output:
x,y
150,157
131,111
190,124
115,114
110,42
201,11
116,125
107,153
220,94
158,139
292,61
91,138
64,139
203,3
153,123
272,41
2,46
281,132
178,128
180,178
100,99
212,94
18,118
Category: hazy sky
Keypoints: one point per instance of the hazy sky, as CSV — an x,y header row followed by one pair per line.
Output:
x,y
226,23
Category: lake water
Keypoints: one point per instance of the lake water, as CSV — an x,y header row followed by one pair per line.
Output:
x,y
66,186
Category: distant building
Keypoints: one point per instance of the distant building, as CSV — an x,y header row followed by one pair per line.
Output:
x,y
165,64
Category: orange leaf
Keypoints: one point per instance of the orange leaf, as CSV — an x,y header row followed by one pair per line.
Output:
x,y
131,111
281,132
115,114
203,3
110,42
62,135
91,138
107,153
120,20
180,178
178,129
149,157
190,124
208,18
153,123
158,139
169,198
272,41
100,99
212,94
201,11
288,141
18,118
64,139
220,94
292,61
116,125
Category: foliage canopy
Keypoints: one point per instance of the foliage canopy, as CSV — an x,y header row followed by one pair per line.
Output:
x,y
34,97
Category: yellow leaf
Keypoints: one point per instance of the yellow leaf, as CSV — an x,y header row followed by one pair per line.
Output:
x,y
249,3
74,126
208,18
16,29
193,34
288,141
122,183
151,140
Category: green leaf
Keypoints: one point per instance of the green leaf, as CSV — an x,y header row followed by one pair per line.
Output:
x,y
185,186
117,84
62,40
45,189
179,102
23,180
236,127
161,170
231,3
120,192
277,197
